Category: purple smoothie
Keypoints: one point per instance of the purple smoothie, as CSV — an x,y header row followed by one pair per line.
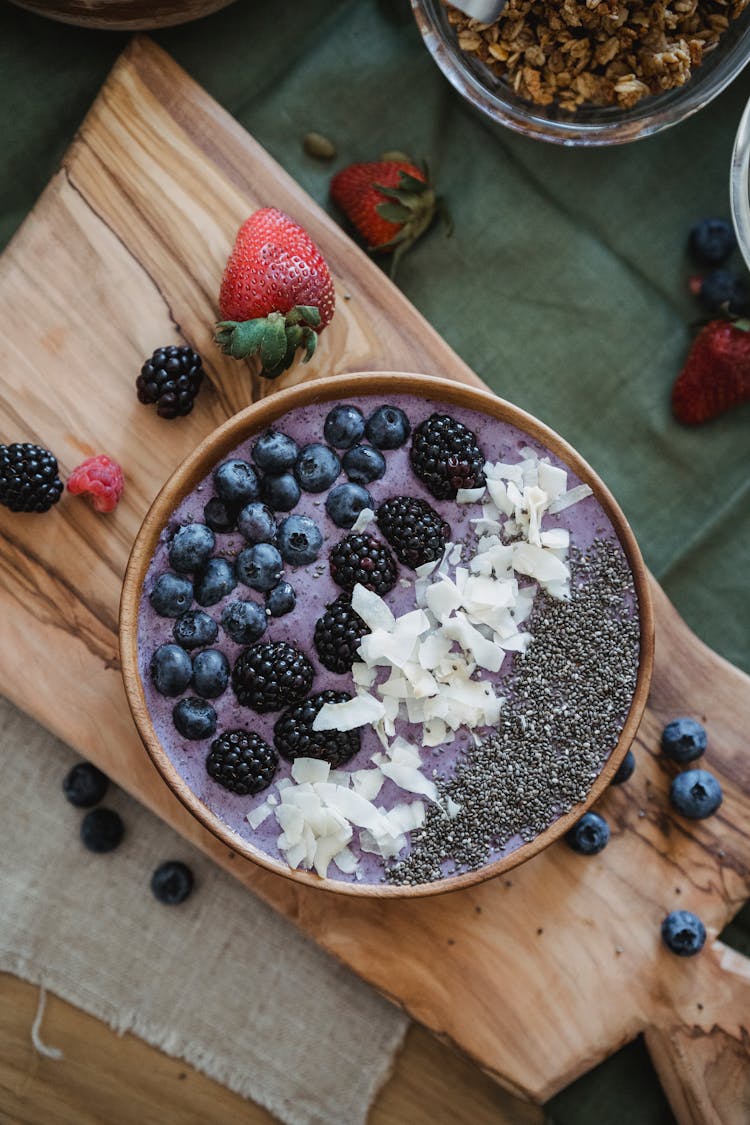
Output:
x,y
315,589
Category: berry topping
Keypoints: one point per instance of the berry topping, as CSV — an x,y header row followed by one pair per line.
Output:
x,y
695,794
194,718
316,467
414,529
683,740
294,737
363,464
242,762
716,373
236,483
244,622
282,599
445,456
191,547
272,675
711,241
274,452
345,502
363,559
589,836
214,582
724,291
172,594
85,785
171,669
218,516
388,427
195,629
210,673
171,379
337,635
256,523
300,540
102,830
259,567
625,769
683,933
28,478
102,479
280,491
343,426
172,882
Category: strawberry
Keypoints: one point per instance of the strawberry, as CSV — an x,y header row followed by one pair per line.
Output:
x,y
276,293
716,375
390,202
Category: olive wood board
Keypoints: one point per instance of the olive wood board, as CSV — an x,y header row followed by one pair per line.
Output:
x,y
537,975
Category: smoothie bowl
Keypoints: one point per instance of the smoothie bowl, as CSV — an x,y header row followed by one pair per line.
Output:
x,y
386,634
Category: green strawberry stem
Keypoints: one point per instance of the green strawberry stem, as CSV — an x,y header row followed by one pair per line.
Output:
x,y
414,205
275,338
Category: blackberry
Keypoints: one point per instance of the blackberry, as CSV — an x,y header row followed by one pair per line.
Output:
x,y
28,478
445,455
271,675
294,737
242,762
337,635
363,559
414,529
171,379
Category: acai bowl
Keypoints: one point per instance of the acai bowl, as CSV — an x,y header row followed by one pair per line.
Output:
x,y
392,672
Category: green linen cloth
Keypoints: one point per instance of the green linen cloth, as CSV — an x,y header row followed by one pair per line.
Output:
x,y
564,285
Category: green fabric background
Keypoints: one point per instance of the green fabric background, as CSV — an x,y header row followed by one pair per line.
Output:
x,y
564,285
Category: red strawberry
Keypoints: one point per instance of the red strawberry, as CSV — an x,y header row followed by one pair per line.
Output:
x,y
716,375
276,293
390,202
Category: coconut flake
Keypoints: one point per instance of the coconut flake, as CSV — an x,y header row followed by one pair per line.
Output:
x,y
580,492
410,779
554,481
372,609
469,495
310,770
363,520
257,815
368,783
346,861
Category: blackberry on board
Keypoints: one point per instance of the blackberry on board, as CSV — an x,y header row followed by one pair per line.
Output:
x,y
338,634
414,529
242,762
271,675
363,559
446,456
294,737
28,478
171,378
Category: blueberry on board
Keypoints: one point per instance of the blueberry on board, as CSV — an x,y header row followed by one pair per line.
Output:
x,y
274,452
191,547
194,718
363,464
256,523
589,836
172,594
387,427
259,567
724,291
244,622
625,769
711,241
695,794
280,491
85,785
345,502
236,482
300,540
683,933
316,468
282,599
683,740
210,673
218,516
102,830
195,629
172,882
344,426
171,669
214,581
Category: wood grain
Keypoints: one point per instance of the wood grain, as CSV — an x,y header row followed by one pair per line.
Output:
x,y
537,976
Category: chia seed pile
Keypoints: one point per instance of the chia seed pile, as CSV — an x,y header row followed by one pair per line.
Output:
x,y
566,703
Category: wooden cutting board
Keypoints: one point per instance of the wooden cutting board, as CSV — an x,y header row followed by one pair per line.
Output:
x,y
537,976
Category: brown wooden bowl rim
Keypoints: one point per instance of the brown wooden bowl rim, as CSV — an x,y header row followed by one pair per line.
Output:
x,y
260,415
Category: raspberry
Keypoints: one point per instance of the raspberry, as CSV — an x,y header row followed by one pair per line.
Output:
x,y
242,762
362,559
337,635
271,675
294,737
445,456
28,478
414,529
102,478
171,378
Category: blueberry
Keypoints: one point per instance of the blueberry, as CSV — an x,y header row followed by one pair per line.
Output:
x,y
625,769
300,540
363,464
171,669
260,566
214,582
683,933
171,595
244,622
722,290
683,740
218,515
85,785
589,836
102,830
711,241
274,452
210,673
316,467
388,427
194,718
172,882
256,522
344,426
236,482
346,501
280,600
695,794
191,547
195,629
281,492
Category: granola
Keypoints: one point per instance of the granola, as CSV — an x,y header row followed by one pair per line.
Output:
x,y
595,52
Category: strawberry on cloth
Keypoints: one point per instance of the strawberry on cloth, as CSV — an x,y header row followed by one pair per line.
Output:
x,y
716,375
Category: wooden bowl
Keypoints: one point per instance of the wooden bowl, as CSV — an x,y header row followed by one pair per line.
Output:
x,y
123,15
260,416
